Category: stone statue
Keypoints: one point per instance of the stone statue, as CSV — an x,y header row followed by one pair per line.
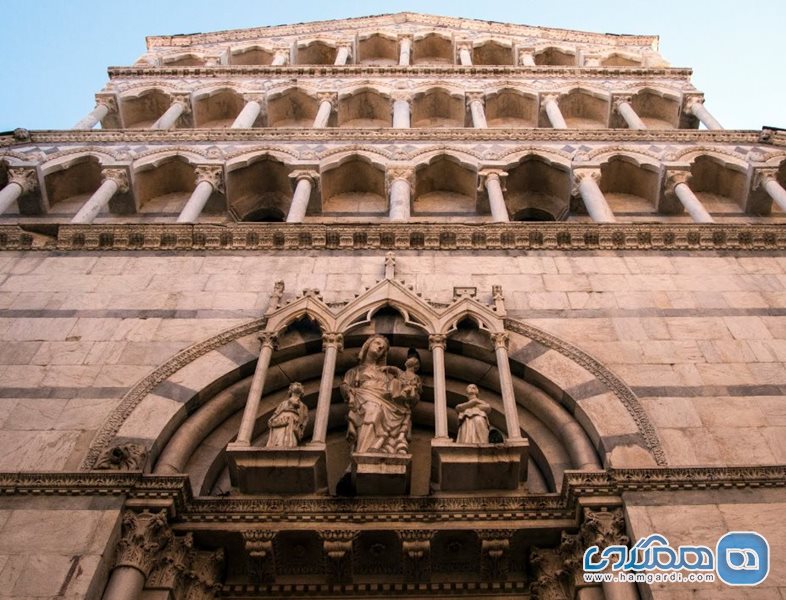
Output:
x,y
473,419
380,400
288,423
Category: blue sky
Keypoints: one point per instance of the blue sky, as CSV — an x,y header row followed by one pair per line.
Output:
x,y
57,52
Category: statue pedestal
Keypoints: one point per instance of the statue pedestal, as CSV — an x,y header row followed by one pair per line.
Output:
x,y
377,474
300,470
468,467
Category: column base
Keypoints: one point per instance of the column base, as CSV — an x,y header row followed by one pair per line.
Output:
x,y
469,467
379,474
300,470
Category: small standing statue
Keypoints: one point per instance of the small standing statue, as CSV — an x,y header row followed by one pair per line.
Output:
x,y
288,423
380,399
473,419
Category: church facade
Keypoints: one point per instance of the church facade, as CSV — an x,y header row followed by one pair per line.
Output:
x,y
395,306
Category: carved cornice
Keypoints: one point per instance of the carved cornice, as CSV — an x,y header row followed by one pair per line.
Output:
x,y
261,136
274,237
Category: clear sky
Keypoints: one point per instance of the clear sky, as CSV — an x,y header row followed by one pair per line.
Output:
x,y
56,52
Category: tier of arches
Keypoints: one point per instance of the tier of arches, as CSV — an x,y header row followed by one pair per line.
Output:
x,y
372,106
425,48
358,185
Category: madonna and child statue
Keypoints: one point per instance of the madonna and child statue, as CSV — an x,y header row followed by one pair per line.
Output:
x,y
380,399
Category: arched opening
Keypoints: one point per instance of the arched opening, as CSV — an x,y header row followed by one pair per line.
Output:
x,y
164,187
432,49
355,188
538,190
437,107
250,55
184,60
291,108
511,108
217,109
144,109
69,188
719,186
657,109
620,60
555,57
364,108
631,190
378,49
259,190
493,53
316,53
583,109
444,187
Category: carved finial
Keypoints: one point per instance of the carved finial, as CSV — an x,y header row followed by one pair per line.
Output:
x,y
499,300
390,266
275,297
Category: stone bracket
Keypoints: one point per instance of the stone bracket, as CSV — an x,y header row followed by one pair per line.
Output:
x,y
300,470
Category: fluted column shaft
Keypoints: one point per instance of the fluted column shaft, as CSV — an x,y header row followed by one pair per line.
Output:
x,y
436,344
170,117
247,116
554,113
593,198
703,115
304,183
493,184
506,386
404,51
114,180
93,117
692,204
249,418
401,114
631,118
332,344
208,180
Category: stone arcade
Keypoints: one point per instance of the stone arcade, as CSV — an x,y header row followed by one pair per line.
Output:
x,y
397,306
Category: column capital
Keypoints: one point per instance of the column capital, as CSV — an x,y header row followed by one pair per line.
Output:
x,y
258,97
528,52
437,340
213,174
309,174
345,44
25,177
603,528
401,96
405,37
175,561
403,172
674,178
269,339
549,97
689,100
119,175
500,339
281,51
333,339
582,173
621,99
592,60
475,96
761,176
331,97
183,98
485,175
143,535
107,100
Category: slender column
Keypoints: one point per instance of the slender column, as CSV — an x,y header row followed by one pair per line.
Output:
x,y
248,421
143,536
526,57
20,181
678,182
436,343
280,57
401,113
249,114
623,107
587,187
696,107
208,180
475,102
768,179
114,180
332,344
400,190
304,183
104,105
327,101
404,51
465,54
179,107
492,179
343,52
500,340
553,112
